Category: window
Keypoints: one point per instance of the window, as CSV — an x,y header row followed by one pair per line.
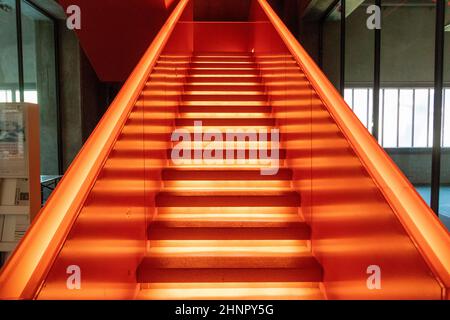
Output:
x,y
9,63
39,68
406,115
28,72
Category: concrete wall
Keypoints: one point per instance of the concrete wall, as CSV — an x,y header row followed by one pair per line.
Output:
x,y
96,96
70,94
407,52
416,165
45,74
8,49
83,98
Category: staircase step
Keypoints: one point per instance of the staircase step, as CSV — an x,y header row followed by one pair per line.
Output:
x,y
240,211
230,291
160,231
203,114
223,78
228,122
172,57
205,174
234,257
227,187
224,86
224,71
170,275
227,226
236,96
170,199
227,220
240,157
224,104
222,220
243,108
223,64
226,56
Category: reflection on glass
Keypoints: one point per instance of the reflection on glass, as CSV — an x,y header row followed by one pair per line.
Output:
x,y
444,196
40,80
407,82
9,74
331,46
359,61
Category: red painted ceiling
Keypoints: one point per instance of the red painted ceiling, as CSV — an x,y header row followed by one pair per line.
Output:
x,y
115,33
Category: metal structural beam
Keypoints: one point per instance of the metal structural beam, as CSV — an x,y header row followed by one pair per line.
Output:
x,y
437,117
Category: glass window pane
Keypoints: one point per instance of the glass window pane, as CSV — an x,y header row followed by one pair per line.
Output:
x,y
331,46
446,121
9,67
407,66
381,118
40,80
444,196
405,118
359,58
348,97
390,118
361,104
422,109
430,120
370,116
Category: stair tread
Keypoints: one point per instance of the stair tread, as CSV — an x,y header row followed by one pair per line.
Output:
x,y
223,103
229,217
236,250
224,257
177,173
216,230
228,221
232,291
220,230
287,192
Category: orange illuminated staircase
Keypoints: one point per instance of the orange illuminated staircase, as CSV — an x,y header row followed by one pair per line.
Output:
x,y
129,222
227,231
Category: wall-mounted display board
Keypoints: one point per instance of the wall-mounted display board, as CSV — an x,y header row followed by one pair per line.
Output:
x,y
20,194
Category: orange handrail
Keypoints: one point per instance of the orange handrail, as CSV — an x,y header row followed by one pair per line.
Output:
x,y
421,223
24,272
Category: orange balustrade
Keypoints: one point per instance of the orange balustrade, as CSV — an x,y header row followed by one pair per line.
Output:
x,y
397,194
24,272
142,226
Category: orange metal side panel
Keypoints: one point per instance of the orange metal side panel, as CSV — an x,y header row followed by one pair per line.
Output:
x,y
354,225
221,36
25,271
